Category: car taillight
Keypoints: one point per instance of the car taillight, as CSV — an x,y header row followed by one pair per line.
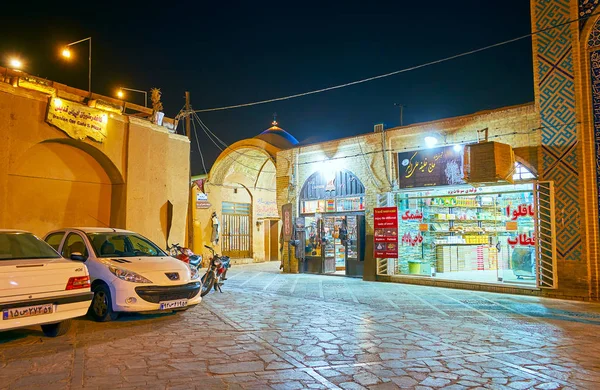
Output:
x,y
77,282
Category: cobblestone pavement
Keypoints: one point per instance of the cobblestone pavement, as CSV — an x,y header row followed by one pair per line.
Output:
x,y
271,330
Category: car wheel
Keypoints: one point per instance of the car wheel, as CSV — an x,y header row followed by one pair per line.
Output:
x,y
58,329
101,307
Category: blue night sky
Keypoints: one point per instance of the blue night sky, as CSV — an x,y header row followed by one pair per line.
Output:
x,y
230,53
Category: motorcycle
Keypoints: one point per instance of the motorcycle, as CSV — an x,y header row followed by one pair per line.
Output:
x,y
185,255
216,272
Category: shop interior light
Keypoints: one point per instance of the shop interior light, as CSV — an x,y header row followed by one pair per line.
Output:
x,y
430,141
458,148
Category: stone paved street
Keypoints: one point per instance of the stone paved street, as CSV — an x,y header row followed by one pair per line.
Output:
x,y
270,330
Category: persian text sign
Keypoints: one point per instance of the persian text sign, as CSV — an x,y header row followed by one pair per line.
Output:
x,y
77,120
385,239
286,217
430,167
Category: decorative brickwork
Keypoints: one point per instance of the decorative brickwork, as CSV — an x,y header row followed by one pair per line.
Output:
x,y
594,38
586,8
595,84
556,97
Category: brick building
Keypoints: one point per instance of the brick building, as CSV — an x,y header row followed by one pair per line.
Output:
x,y
534,232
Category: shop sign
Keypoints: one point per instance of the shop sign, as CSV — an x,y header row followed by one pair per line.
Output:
x,y
523,210
286,218
430,167
408,239
37,84
386,232
77,120
521,239
410,216
266,208
202,201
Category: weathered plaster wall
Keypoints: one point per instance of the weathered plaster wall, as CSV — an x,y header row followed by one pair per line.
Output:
x,y
48,180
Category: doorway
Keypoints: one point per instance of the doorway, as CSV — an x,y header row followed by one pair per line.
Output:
x,y
271,239
237,235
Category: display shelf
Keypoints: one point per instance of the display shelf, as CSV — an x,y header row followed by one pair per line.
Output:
x,y
459,233
460,244
462,207
464,220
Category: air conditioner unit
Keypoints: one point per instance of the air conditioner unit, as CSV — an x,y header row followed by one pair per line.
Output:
x,y
378,128
488,162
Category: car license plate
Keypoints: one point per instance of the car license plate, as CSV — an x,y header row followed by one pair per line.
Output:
x,y
173,304
29,311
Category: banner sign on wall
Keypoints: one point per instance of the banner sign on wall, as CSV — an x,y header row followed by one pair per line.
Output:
x,y
386,232
77,120
202,201
286,218
430,167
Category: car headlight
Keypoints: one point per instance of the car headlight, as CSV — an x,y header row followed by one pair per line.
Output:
x,y
194,272
128,276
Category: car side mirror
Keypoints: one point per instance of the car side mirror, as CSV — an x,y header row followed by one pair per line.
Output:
x,y
78,256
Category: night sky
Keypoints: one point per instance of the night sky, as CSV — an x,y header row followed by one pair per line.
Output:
x,y
230,53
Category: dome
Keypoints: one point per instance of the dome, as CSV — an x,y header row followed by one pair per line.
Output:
x,y
278,137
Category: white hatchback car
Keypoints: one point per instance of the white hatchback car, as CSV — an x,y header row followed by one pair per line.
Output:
x,y
129,272
38,286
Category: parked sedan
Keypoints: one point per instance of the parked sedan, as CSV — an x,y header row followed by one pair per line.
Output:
x,y
129,272
38,286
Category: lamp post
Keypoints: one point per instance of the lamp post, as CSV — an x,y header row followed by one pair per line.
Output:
x,y
120,94
67,54
16,63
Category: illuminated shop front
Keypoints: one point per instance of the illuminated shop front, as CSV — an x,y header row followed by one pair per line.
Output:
x,y
448,229
332,210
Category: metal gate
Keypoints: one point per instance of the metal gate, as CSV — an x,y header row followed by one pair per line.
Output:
x,y
545,235
236,233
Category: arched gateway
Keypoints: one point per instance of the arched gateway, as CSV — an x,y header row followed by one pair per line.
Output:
x,y
332,204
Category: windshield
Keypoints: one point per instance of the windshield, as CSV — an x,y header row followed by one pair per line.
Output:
x,y
123,245
17,246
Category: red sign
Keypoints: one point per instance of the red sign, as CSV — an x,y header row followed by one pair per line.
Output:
x,y
385,239
523,210
286,217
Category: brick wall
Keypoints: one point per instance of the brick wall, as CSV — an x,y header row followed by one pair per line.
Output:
x,y
363,156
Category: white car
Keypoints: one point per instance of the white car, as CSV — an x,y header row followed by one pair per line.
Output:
x,y
38,286
129,272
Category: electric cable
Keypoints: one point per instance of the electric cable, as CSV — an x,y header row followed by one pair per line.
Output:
x,y
415,67
208,134
199,150
226,145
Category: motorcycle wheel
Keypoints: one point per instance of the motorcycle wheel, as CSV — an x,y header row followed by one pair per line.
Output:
x,y
208,280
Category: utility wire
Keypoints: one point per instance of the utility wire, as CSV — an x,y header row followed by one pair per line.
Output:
x,y
208,134
223,143
199,150
426,64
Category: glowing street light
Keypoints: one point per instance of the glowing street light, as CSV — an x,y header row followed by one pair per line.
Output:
x,y
15,63
121,94
67,54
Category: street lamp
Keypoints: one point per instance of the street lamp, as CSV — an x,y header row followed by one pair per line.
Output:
x,y
121,94
67,54
16,63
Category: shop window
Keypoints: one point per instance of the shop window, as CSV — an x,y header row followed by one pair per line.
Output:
x,y
522,173
467,234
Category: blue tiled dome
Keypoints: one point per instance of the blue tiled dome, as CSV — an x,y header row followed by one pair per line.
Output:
x,y
278,137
